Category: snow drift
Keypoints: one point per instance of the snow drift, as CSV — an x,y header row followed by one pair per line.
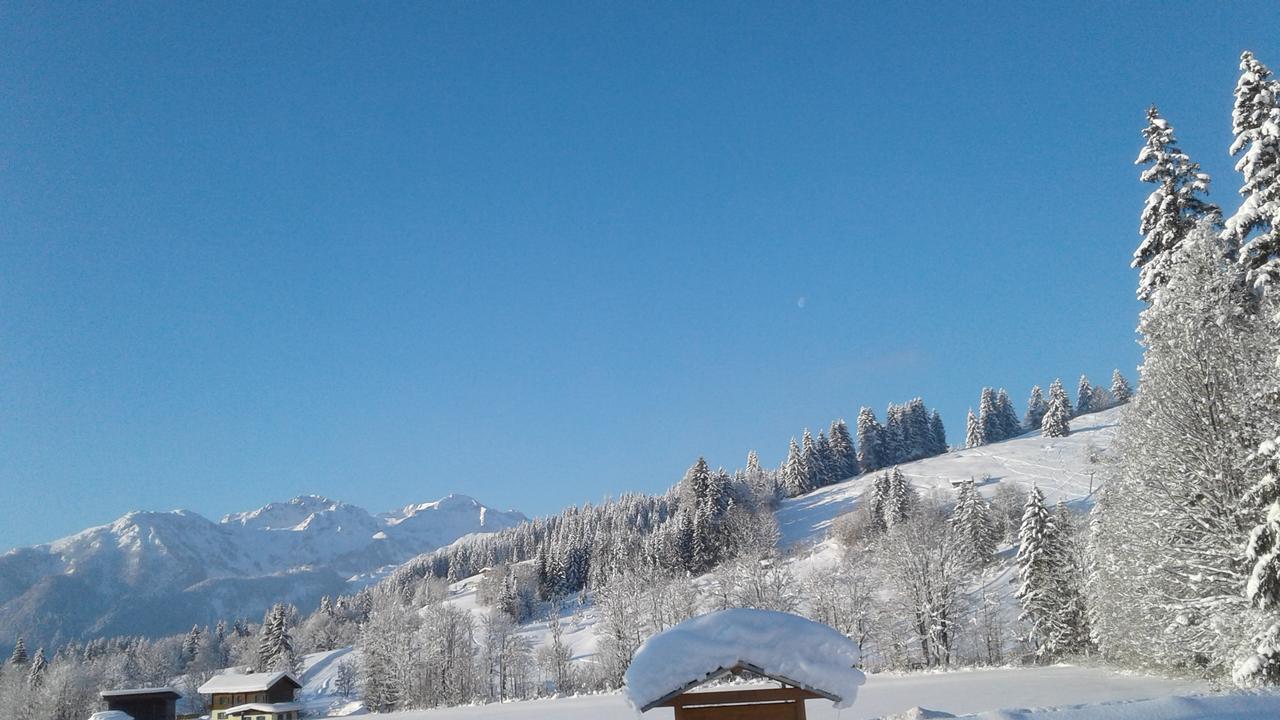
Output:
x,y
784,646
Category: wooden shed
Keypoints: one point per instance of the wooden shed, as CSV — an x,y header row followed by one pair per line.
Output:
x,y
158,703
777,703
807,660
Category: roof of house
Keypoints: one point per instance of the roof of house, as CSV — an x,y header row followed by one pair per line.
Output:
x,y
133,692
251,682
785,647
273,708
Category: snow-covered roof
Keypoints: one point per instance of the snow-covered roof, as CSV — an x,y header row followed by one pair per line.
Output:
x,y
111,715
140,691
785,647
273,708
252,682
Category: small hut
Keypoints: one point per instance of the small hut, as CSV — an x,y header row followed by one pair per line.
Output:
x,y
157,703
806,659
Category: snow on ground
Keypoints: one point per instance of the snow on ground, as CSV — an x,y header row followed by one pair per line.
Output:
x,y
319,675
1240,706
973,691
1059,466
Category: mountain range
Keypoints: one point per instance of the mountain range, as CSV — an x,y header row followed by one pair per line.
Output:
x,y
156,573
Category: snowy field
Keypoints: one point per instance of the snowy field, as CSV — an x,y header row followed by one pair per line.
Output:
x,y
1059,466
1012,693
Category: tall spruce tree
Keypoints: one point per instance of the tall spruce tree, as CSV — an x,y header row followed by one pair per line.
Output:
x,y
915,421
871,455
795,476
1120,390
879,506
1006,416
828,471
19,656
988,417
973,436
35,674
1172,209
814,463
1084,397
1057,416
1036,408
1037,562
901,500
938,433
974,526
1255,122
893,442
842,450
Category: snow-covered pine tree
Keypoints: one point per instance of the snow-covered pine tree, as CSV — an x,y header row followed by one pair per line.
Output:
x,y
880,499
814,464
870,441
1057,415
1255,122
1038,581
917,435
973,431
988,418
1007,417
937,433
1084,397
795,476
893,444
35,675
901,500
1036,408
275,644
973,525
1120,390
191,645
843,451
1172,209
267,639
762,484
19,655
828,472
1073,625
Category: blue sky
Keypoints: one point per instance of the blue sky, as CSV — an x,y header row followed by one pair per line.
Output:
x,y
541,253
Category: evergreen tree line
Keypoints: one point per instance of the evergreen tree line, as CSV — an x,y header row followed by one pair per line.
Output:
x,y
996,419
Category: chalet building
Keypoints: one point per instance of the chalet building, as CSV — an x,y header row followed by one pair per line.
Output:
x,y
159,703
256,696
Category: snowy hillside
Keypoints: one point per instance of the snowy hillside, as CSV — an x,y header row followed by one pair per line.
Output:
x,y
159,572
1059,466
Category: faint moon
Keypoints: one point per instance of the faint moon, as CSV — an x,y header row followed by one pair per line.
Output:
x,y
801,302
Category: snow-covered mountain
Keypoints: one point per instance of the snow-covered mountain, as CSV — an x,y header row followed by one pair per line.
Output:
x,y
158,572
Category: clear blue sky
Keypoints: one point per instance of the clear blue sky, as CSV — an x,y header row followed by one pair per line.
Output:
x,y
540,253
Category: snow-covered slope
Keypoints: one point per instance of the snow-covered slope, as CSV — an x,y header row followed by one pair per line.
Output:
x,y
1061,467
159,572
